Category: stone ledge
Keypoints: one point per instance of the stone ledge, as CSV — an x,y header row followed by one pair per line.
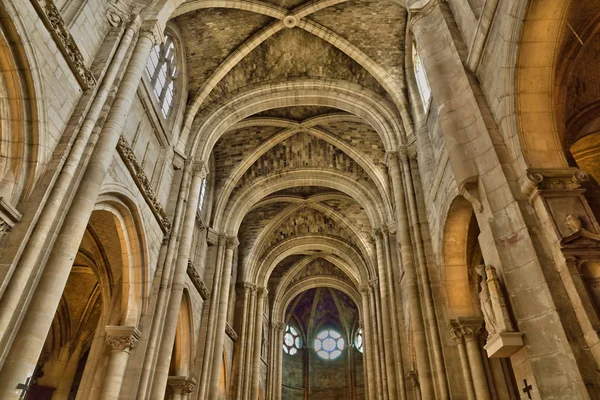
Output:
x,y
504,344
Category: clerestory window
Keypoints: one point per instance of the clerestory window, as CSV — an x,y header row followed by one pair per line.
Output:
x,y
202,196
329,344
162,72
422,81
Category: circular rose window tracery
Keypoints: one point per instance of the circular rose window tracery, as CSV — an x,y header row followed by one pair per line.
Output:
x,y
291,340
329,344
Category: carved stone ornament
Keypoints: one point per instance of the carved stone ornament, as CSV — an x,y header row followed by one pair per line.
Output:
x,y
552,181
466,328
230,332
9,216
50,16
143,183
122,338
575,223
197,281
181,385
502,340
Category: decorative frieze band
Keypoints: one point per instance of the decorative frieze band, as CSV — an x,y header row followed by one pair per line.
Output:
x,y
143,183
197,281
230,332
50,16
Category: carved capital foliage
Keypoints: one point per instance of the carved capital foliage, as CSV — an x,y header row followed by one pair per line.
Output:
x,y
122,338
143,183
230,332
262,291
52,19
197,281
151,29
466,328
278,326
391,159
182,385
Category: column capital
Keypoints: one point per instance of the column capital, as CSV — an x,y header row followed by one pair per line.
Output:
x,y
466,328
182,385
200,168
377,233
151,29
391,159
364,290
373,283
262,291
278,326
231,242
122,338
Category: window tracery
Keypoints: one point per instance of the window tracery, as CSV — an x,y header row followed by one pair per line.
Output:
x,y
329,344
162,72
291,340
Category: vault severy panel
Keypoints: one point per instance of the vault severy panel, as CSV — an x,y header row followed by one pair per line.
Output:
x,y
234,146
210,35
354,20
352,211
302,151
320,267
294,54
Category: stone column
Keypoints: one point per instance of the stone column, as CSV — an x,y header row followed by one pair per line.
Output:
x,y
410,280
180,387
469,330
258,324
121,339
243,339
278,361
377,340
386,313
249,348
25,351
368,347
464,363
163,362
212,317
230,247
430,317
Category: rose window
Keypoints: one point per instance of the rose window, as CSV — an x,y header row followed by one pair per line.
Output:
x,y
291,340
329,344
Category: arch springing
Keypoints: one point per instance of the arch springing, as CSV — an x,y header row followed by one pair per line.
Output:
x,y
162,72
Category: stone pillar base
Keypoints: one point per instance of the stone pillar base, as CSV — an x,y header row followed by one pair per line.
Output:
x,y
504,344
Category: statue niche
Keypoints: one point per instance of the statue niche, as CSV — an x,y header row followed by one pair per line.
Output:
x,y
502,341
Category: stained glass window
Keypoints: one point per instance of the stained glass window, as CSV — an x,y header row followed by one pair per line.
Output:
x,y
291,340
329,344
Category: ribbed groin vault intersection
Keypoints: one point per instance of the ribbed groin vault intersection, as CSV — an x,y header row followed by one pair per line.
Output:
x,y
299,199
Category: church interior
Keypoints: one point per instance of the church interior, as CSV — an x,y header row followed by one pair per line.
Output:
x,y
299,199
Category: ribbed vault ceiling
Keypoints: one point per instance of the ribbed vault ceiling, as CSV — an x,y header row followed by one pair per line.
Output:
x,y
310,173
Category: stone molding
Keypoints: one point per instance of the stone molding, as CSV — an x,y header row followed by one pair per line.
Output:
x,y
143,184
197,280
278,326
199,222
212,238
416,11
9,216
52,19
182,385
230,332
122,338
552,181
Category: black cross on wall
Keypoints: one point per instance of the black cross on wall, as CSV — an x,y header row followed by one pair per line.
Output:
x,y
527,388
24,387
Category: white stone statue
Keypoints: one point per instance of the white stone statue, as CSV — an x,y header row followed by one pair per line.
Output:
x,y
485,300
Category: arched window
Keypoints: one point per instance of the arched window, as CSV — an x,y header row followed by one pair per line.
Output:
x,y
358,340
162,72
202,195
422,81
329,344
291,340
